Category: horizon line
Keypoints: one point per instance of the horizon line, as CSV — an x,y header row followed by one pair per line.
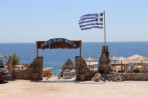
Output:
x,y
82,42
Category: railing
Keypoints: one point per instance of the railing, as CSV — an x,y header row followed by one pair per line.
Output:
x,y
131,66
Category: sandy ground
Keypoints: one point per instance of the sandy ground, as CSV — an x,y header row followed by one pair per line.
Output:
x,y
63,89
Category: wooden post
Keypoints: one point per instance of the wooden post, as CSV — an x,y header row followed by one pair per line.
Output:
x,y
141,62
142,65
145,67
126,67
36,48
37,52
121,66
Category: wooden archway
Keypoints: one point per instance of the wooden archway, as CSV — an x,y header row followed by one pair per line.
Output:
x,y
59,43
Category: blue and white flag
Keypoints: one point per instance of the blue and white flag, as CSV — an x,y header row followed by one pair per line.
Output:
x,y
89,21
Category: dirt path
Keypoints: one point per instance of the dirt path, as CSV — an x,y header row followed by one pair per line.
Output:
x,y
28,89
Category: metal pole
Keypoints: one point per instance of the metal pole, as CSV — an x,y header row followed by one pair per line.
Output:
x,y
104,31
104,34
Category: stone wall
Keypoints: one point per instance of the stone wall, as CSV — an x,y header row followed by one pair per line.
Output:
x,y
31,71
22,73
36,67
135,76
80,63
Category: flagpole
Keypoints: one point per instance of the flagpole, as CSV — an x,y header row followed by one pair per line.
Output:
x,y
104,32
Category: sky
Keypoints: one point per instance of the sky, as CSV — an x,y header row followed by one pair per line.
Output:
x,y
26,21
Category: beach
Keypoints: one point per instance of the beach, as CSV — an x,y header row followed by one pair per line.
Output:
x,y
87,89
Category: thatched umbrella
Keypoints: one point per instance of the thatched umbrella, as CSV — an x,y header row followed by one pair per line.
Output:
x,y
92,63
136,57
118,58
90,59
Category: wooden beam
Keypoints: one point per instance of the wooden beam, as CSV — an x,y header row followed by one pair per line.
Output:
x,y
59,45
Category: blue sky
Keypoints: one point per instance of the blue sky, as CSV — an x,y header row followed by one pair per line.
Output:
x,y
31,20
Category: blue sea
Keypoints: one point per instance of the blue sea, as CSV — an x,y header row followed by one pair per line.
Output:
x,y
57,57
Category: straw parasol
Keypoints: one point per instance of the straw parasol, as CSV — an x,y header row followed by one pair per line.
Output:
x,y
136,57
92,63
90,59
118,58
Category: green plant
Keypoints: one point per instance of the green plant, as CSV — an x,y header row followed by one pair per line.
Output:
x,y
16,59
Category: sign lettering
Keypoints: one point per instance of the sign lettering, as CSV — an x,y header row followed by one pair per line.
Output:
x,y
73,44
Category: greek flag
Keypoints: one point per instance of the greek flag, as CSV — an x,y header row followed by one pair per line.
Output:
x,y
90,21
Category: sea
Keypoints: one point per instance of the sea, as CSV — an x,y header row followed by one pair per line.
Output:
x,y
56,58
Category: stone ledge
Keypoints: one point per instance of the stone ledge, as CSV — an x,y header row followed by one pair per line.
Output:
x,y
135,76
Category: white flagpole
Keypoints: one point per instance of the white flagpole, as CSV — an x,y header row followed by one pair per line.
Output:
x,y
104,32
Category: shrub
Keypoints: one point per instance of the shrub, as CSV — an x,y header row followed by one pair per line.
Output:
x,y
16,59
